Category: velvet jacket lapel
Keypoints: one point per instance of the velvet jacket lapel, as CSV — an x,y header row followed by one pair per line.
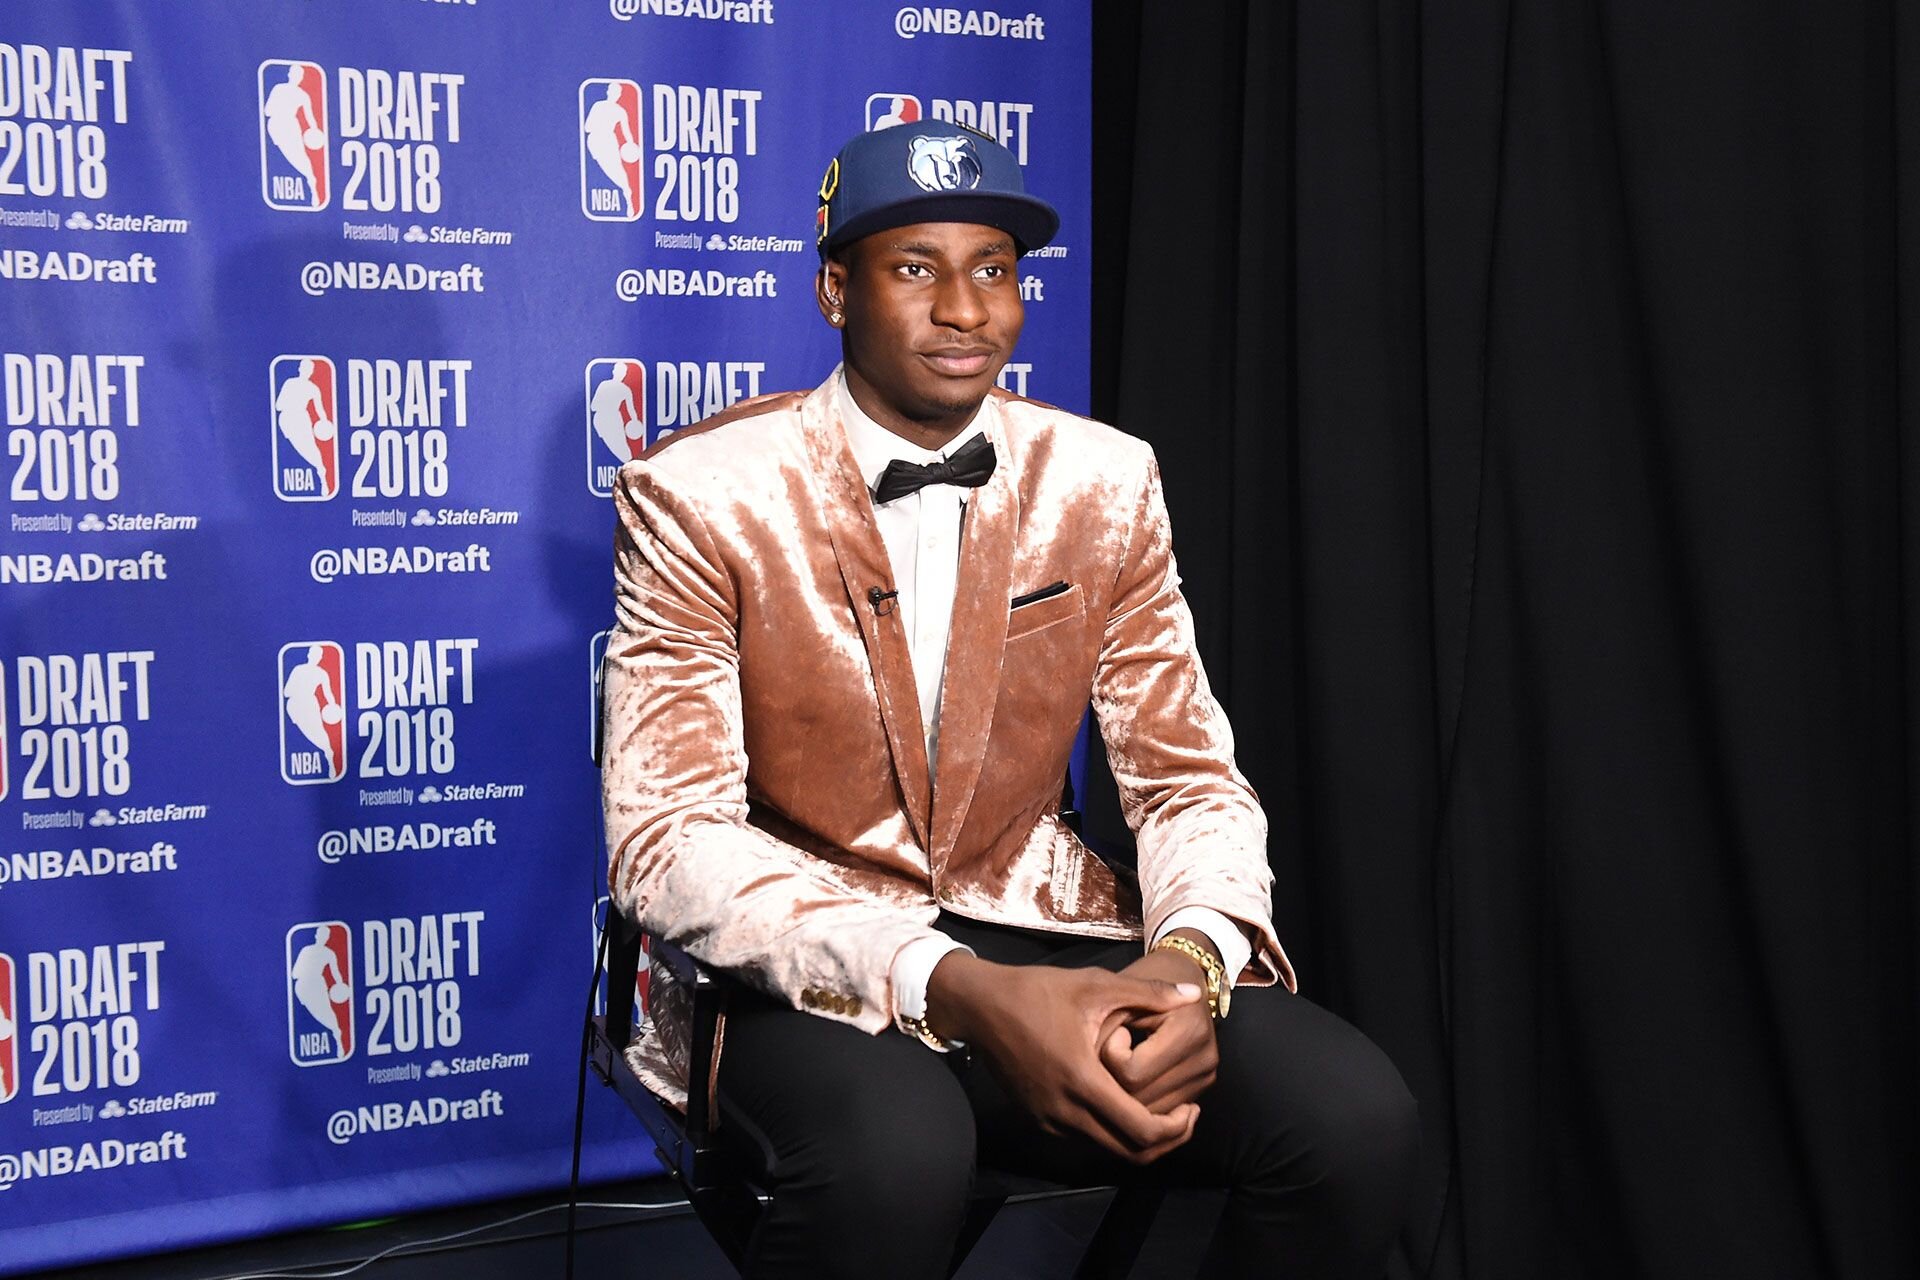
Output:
x,y
936,806
863,564
976,644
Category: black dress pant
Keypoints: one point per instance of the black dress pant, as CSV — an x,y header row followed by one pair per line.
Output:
x,y
869,1142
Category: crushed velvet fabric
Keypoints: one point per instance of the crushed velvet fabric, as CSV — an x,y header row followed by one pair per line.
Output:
x,y
768,801
662,1054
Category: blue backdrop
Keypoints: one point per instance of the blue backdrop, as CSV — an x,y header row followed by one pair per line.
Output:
x,y
322,327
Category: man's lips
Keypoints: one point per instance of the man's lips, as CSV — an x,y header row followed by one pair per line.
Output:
x,y
960,362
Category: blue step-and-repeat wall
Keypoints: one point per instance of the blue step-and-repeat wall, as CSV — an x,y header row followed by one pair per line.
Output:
x,y
323,325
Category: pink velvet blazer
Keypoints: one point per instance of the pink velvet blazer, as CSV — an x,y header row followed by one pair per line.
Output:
x,y
768,801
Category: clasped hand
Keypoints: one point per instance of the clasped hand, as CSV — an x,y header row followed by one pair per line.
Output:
x,y
1118,1057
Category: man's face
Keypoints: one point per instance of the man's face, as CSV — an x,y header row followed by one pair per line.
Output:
x,y
932,312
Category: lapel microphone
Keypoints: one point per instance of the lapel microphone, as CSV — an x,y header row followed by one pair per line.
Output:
x,y
882,601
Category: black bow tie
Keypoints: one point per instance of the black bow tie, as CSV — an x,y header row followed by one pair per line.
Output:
x,y
969,467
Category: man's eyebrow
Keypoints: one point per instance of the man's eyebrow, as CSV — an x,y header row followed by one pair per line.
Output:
x,y
922,249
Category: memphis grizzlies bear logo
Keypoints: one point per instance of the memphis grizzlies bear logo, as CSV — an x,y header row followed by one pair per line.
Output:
x,y
944,164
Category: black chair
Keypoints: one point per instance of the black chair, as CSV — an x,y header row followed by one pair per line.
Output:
x,y
723,1193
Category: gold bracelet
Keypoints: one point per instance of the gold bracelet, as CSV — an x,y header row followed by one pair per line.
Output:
x,y
919,1030
1219,993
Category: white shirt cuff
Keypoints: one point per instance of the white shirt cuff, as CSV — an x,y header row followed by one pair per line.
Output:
x,y
913,967
1227,937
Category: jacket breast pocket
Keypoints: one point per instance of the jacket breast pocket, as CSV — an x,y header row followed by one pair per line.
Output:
x,y
1043,611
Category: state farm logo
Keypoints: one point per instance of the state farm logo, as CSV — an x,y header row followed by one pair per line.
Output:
x,y
9,1032
612,181
294,173
320,993
313,712
616,419
306,428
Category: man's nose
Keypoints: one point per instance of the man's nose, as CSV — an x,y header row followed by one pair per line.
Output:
x,y
957,304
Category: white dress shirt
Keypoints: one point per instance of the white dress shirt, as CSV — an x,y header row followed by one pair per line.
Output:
x,y
922,535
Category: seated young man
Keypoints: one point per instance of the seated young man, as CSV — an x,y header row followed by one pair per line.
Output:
x,y
858,629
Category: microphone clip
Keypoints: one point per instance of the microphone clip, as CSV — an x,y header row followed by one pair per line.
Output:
x,y
882,601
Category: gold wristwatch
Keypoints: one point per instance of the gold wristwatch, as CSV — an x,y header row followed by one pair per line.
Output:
x,y
1219,992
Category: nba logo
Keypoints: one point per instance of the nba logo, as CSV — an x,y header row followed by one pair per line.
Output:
x,y
884,110
596,663
293,135
313,705
9,1032
616,419
306,431
319,993
610,151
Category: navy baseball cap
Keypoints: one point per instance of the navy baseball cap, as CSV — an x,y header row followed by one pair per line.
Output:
x,y
928,171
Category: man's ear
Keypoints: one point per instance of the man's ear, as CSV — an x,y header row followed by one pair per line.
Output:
x,y
830,291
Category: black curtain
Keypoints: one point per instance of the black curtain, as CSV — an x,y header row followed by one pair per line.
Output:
x,y
1535,385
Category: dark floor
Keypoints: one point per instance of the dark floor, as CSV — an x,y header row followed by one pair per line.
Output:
x,y
1035,1240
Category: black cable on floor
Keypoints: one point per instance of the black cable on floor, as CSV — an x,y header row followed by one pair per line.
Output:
x,y
455,1240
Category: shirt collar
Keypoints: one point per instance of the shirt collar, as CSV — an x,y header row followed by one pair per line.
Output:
x,y
874,446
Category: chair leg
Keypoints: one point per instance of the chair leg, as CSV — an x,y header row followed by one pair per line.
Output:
x,y
729,1214
1123,1229
980,1214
